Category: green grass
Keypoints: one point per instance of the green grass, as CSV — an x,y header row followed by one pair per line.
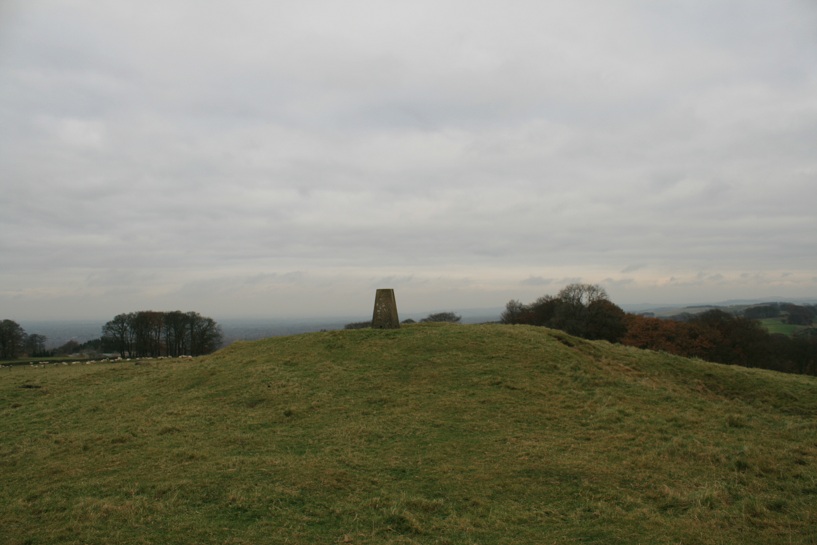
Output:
x,y
778,325
431,434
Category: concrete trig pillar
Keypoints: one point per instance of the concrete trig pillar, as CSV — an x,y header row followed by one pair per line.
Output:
x,y
385,310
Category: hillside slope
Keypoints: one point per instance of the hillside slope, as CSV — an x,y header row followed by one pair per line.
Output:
x,y
432,433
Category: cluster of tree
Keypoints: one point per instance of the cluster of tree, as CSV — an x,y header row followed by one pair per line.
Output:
x,y
358,325
149,333
434,317
15,342
92,347
582,310
789,312
448,317
715,335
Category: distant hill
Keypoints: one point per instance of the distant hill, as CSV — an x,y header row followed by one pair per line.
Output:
x,y
730,305
433,433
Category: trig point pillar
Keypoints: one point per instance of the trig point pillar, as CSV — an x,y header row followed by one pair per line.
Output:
x,y
385,310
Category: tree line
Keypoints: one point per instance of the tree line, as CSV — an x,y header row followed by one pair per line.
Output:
x,y
449,317
716,335
585,311
149,333
14,341
582,310
145,333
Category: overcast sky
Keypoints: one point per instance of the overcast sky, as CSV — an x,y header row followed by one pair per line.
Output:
x,y
286,158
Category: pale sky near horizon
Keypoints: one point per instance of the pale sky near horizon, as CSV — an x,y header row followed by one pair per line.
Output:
x,y
287,158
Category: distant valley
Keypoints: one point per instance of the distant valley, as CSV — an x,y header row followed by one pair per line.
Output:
x,y
58,332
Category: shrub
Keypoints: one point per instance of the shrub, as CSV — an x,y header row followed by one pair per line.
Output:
x,y
442,317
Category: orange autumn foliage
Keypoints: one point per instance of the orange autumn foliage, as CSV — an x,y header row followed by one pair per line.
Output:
x,y
682,338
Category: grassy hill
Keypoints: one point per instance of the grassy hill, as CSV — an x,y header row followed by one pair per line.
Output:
x,y
432,434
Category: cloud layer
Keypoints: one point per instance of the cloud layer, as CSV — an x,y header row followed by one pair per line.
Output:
x,y
286,158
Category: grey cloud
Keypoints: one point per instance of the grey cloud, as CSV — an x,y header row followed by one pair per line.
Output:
x,y
392,281
632,268
277,278
536,281
114,278
617,283
187,142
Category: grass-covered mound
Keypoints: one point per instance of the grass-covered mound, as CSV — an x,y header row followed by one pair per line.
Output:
x,y
428,434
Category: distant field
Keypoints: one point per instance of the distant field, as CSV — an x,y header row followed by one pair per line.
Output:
x,y
776,325
430,434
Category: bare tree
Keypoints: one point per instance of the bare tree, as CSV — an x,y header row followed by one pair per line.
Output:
x,y
118,333
12,339
205,334
35,344
582,294
177,340
149,333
